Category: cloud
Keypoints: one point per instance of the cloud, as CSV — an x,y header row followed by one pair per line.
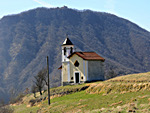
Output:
x,y
110,6
43,3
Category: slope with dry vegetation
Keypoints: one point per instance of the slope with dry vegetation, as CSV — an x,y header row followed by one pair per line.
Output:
x,y
123,94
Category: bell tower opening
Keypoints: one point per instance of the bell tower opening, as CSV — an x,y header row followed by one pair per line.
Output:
x,y
71,50
67,49
64,50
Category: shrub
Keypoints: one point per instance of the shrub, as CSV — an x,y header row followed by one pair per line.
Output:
x,y
6,109
32,102
17,99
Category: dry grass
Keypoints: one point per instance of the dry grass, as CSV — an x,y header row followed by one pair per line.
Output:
x,y
122,84
108,88
140,77
113,104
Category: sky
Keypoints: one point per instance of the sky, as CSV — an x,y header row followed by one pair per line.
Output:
x,y
137,11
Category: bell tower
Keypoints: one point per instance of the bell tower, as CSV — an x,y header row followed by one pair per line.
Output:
x,y
67,49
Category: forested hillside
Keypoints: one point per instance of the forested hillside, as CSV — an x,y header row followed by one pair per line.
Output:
x,y
27,38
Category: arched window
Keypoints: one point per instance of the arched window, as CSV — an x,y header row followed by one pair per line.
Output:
x,y
64,50
76,63
71,50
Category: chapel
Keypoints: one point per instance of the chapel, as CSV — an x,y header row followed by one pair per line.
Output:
x,y
80,67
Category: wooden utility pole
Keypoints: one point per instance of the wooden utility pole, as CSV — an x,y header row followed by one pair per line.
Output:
x,y
48,81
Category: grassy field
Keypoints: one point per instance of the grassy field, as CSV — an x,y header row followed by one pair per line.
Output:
x,y
117,95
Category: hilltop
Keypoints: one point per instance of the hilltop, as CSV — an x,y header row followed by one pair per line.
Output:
x,y
114,95
27,38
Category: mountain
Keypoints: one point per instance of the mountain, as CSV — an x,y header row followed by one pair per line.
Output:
x,y
27,38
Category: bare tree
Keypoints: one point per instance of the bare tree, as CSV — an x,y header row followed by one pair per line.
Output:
x,y
26,91
40,80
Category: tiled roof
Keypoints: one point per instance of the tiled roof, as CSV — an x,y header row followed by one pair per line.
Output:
x,y
88,56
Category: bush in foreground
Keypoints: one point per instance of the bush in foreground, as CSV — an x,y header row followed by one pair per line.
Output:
x,y
6,109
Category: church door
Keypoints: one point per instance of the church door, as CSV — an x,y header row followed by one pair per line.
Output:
x,y
77,77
